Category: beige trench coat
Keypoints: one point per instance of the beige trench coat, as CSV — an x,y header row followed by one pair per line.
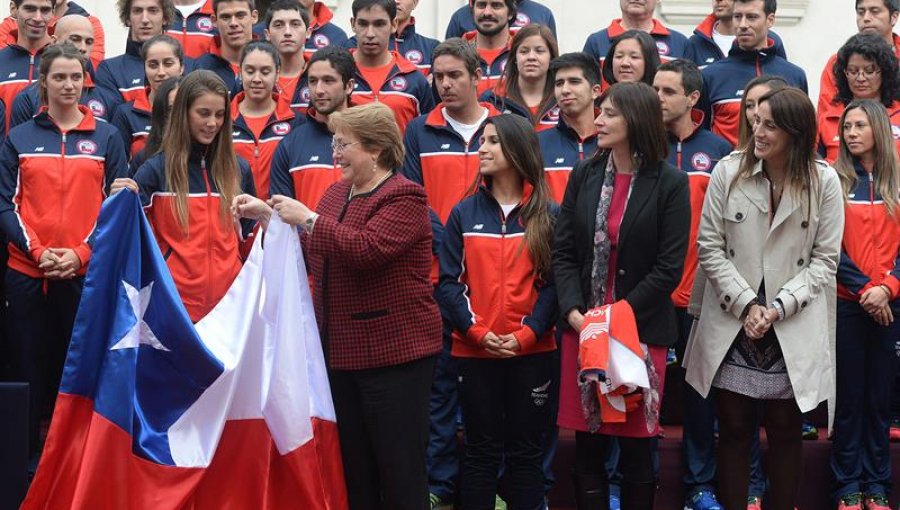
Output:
x,y
798,254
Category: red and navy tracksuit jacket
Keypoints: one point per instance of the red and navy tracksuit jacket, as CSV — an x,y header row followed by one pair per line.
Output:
x,y
442,162
704,50
870,249
213,61
724,82
830,132
504,104
18,69
562,148
412,46
28,103
301,100
697,155
671,44
195,33
9,31
123,75
322,32
206,258
491,72
828,87
302,166
258,152
528,12
133,122
406,91
487,281
52,185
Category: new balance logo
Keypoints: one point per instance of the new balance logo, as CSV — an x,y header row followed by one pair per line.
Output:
x,y
560,161
12,75
710,60
479,226
445,146
39,149
136,81
314,158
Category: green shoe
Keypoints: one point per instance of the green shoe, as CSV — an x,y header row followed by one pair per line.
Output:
x,y
499,504
438,504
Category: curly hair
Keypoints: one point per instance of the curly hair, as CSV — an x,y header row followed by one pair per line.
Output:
x,y
876,50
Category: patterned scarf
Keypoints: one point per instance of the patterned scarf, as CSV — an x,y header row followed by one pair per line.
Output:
x,y
602,243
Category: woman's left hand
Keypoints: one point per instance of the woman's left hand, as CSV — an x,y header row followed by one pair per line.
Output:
x,y
290,211
874,299
510,343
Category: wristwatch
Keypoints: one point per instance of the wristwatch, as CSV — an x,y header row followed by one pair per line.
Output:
x,y
310,222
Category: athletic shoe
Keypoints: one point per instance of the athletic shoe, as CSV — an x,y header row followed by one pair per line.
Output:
x,y
702,500
895,430
810,432
754,503
499,504
671,356
877,502
438,504
614,502
851,502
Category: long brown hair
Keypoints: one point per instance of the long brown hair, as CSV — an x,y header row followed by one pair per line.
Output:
x,y
886,170
177,146
794,114
745,128
510,79
520,147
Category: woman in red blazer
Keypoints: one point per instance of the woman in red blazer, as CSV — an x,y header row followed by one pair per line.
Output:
x,y
369,250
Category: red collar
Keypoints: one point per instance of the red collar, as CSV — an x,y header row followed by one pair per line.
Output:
x,y
616,29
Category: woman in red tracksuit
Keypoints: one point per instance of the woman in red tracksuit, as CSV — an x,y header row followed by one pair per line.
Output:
x,y
55,170
496,285
260,119
187,189
868,289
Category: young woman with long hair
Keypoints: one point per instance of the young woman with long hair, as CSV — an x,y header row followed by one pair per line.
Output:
x,y
496,284
187,190
260,119
621,239
755,89
163,59
55,171
769,244
525,88
868,288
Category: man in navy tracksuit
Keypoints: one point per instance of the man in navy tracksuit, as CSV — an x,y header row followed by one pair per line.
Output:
x,y
527,12
752,55
638,16
409,44
696,151
714,36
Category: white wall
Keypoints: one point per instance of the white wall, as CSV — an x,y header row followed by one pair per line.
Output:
x,y
826,25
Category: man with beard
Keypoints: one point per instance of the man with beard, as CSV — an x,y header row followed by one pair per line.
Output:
x,y
638,15
527,12
714,36
492,38
302,167
383,75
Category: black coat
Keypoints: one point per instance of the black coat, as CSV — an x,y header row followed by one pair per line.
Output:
x,y
652,243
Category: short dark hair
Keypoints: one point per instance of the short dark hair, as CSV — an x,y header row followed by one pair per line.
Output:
x,y
286,5
263,46
892,5
163,38
577,60
216,3
769,6
648,50
461,49
512,5
339,58
875,49
691,77
389,6
19,3
168,8
639,105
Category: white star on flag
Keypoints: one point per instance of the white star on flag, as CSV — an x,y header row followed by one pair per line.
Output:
x,y
140,333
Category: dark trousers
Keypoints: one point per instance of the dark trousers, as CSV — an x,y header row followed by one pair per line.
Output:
x,y
382,416
738,425
506,405
866,370
39,318
443,456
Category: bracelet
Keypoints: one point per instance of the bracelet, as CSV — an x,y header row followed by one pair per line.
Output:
x,y
778,308
887,290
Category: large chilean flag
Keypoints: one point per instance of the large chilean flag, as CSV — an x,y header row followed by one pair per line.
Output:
x,y
156,413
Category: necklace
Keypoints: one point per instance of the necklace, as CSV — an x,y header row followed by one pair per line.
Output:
x,y
378,183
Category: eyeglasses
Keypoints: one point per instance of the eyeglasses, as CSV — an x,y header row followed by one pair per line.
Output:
x,y
866,73
339,147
